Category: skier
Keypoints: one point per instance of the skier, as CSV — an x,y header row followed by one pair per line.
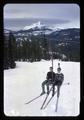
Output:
x,y
59,77
50,79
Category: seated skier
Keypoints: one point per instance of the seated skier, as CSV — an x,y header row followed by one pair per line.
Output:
x,y
59,77
50,78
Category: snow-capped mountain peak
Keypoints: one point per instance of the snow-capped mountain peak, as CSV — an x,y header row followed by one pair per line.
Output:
x,y
32,26
39,25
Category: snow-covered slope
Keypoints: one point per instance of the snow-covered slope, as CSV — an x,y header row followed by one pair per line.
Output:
x,y
24,83
39,25
39,28
32,26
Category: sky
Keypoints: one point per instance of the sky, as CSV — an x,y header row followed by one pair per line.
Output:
x,y
17,16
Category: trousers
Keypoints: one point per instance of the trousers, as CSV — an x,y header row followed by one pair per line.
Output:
x,y
48,82
58,84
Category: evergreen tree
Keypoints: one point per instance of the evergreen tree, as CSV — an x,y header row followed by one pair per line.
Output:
x,y
11,46
45,49
6,66
9,51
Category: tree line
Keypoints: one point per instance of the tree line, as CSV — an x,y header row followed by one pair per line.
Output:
x,y
33,49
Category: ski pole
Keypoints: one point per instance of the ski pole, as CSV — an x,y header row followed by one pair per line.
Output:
x,y
66,83
56,105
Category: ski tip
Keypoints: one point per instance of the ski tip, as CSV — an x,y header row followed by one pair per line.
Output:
x,y
68,83
55,110
26,103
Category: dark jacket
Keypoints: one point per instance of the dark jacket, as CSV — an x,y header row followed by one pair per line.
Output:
x,y
59,78
49,75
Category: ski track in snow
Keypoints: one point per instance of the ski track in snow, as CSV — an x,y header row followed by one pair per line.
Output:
x,y
24,83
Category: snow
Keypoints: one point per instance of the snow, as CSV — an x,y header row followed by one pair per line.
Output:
x,y
24,83
41,32
38,24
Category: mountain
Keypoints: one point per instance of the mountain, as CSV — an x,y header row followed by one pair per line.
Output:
x,y
58,35
38,26
37,41
36,29
51,32
33,26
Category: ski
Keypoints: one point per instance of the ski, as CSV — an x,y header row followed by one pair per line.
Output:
x,y
68,83
58,97
56,104
53,96
49,101
34,99
41,95
45,99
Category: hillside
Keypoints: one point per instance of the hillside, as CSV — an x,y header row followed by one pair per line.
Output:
x,y
24,83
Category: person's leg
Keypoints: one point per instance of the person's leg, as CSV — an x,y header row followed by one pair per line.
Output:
x,y
55,84
47,85
43,86
53,91
47,88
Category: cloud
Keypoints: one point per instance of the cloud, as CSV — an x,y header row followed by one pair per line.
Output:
x,y
47,13
63,11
